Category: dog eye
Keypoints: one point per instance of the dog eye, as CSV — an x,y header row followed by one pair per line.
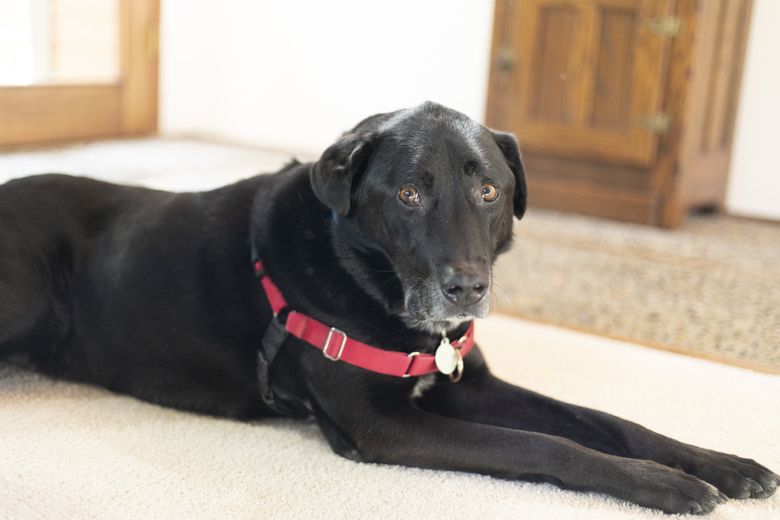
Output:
x,y
409,195
489,192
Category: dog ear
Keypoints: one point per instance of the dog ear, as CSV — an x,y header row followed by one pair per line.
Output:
x,y
507,143
334,176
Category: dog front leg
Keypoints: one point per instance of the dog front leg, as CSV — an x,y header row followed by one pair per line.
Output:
x,y
485,399
406,435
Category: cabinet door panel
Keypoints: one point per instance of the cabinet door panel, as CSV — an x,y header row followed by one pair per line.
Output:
x,y
579,77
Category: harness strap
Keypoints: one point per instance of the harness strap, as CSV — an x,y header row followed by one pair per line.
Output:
x,y
336,345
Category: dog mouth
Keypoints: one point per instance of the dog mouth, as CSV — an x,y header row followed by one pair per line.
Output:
x,y
438,325
428,311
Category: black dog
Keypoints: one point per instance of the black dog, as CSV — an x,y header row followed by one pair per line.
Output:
x,y
389,237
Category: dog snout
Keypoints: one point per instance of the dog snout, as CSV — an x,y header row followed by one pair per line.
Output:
x,y
465,286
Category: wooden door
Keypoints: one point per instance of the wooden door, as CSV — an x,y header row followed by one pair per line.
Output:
x,y
49,112
580,78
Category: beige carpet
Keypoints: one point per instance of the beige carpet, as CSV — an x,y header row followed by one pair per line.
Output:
x,y
70,451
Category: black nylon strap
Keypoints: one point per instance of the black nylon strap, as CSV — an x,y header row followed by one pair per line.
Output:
x,y
273,339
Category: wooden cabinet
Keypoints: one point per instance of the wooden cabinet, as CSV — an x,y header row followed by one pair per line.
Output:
x,y
624,108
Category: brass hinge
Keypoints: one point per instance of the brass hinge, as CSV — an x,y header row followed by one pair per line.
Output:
x,y
666,26
505,59
657,123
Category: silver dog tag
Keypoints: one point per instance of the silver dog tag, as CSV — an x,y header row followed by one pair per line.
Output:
x,y
446,357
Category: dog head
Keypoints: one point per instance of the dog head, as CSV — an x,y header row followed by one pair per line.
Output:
x,y
422,203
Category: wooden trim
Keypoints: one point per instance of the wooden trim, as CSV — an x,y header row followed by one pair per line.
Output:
x,y
39,114
584,171
497,79
694,166
665,174
53,113
599,201
139,55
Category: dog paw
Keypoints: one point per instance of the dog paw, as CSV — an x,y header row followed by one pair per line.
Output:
x,y
672,490
735,476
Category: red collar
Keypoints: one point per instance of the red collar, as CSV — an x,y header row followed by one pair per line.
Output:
x,y
337,346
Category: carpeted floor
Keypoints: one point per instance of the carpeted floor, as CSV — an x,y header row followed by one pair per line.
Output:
x,y
711,289
72,451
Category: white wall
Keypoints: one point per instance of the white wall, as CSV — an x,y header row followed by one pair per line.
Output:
x,y
754,182
293,75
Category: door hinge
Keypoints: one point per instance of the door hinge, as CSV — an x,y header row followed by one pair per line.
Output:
x,y
666,26
505,59
657,123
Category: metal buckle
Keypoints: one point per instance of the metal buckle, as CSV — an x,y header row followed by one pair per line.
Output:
x,y
411,357
327,344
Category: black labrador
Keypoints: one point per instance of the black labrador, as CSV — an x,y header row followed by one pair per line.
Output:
x,y
389,237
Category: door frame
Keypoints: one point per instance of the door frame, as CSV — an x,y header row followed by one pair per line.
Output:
x,y
39,114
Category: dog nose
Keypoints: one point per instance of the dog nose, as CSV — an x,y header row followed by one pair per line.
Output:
x,y
464,286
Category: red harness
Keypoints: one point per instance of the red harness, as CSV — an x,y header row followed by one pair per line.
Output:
x,y
337,346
